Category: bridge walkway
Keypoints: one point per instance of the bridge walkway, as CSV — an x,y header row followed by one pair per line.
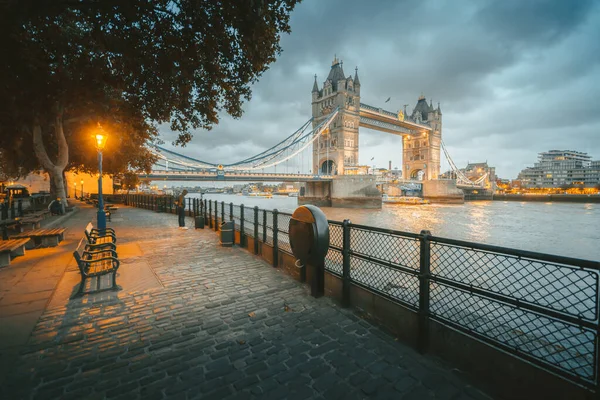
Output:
x,y
195,320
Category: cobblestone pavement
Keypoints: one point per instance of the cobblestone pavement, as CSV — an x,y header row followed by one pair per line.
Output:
x,y
222,324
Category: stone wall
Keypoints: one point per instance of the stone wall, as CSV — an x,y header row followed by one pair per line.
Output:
x,y
443,191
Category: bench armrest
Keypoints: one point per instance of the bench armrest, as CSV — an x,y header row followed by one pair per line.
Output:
x,y
110,230
100,236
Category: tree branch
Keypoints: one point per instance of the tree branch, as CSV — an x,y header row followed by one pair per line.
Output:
x,y
40,149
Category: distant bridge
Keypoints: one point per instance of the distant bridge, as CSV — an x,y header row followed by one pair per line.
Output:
x,y
221,175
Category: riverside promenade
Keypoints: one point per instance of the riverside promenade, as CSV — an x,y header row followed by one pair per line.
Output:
x,y
193,320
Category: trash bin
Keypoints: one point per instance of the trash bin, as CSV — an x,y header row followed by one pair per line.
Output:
x,y
227,234
199,220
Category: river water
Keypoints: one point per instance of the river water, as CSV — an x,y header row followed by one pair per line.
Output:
x,y
565,229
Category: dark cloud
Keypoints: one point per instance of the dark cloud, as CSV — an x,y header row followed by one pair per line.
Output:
x,y
514,78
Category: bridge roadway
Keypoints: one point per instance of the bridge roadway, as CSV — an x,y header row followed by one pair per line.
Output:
x,y
231,176
387,121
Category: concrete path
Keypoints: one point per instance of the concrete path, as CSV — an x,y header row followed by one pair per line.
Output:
x,y
194,320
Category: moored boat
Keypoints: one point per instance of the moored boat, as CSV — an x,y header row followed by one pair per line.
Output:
x,y
404,200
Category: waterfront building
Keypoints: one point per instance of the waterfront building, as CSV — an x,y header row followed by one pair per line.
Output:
x,y
559,168
473,171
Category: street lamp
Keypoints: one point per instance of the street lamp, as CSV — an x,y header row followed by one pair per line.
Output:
x,y
82,189
100,143
75,190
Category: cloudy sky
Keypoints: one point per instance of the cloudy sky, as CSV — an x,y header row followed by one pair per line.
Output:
x,y
513,77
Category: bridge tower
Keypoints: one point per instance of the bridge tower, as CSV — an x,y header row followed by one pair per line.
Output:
x,y
338,147
421,153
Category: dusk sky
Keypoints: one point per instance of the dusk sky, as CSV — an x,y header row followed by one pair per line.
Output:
x,y
514,78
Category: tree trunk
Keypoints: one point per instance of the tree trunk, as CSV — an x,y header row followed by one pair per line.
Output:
x,y
55,170
59,183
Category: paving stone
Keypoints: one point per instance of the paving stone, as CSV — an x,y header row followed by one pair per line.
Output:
x,y
215,327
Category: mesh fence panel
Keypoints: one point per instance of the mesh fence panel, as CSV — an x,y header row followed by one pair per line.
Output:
x,y
269,239
386,247
236,217
336,234
283,237
553,342
554,286
334,262
376,259
249,221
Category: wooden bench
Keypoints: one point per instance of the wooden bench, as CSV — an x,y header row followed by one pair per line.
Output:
x,y
99,236
28,224
95,264
42,237
10,249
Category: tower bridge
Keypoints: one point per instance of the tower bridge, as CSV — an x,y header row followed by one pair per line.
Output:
x,y
330,142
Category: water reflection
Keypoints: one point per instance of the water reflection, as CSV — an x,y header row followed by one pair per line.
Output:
x,y
557,228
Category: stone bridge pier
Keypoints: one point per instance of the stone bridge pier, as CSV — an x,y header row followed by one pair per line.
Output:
x,y
344,191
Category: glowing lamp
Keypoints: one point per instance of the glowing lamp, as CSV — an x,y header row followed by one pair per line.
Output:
x,y
100,141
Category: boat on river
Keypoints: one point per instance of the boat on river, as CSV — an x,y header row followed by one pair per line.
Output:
x,y
404,200
252,192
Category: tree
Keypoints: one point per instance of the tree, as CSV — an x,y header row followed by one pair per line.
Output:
x,y
130,181
129,65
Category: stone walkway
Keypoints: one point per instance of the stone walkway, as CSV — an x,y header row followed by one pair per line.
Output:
x,y
205,322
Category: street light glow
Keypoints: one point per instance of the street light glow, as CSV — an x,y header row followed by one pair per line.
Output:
x,y
101,138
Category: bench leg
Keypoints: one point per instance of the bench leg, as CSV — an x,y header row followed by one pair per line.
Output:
x,y
27,227
114,280
18,252
4,259
30,245
50,241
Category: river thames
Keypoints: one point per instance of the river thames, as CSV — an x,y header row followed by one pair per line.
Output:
x,y
566,229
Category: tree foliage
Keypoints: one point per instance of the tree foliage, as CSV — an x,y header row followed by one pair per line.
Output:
x,y
129,65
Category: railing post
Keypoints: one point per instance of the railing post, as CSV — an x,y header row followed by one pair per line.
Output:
x,y
216,216
264,232
242,233
275,245
206,213
424,276
231,211
255,229
346,281
222,211
210,224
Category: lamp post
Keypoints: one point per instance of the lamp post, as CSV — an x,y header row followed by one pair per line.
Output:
x,y
75,190
82,189
100,143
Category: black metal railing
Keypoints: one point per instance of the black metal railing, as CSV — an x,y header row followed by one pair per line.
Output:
x,y
539,307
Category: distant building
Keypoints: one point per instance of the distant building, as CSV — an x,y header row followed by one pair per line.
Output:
x,y
473,171
556,168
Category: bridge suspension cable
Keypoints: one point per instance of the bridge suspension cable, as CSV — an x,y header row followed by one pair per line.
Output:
x,y
461,178
283,151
